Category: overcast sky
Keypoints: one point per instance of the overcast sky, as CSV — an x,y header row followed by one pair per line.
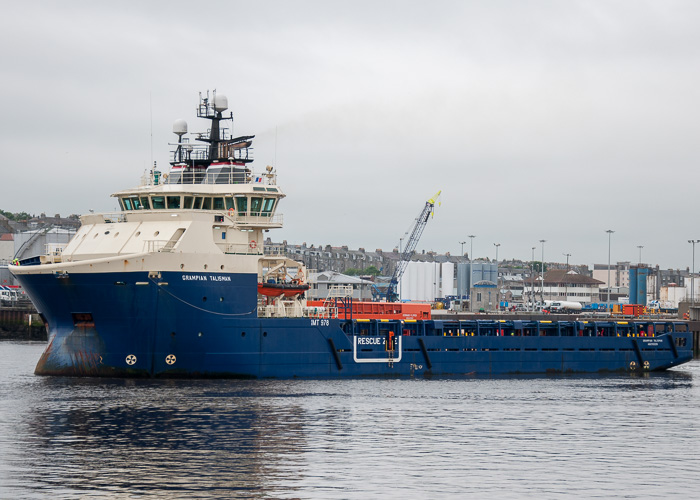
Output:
x,y
538,120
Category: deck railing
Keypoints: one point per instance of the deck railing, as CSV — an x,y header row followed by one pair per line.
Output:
x,y
153,245
193,177
53,253
258,219
241,248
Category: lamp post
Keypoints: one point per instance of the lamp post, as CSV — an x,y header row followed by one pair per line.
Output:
x,y
400,253
566,283
542,270
640,253
532,279
692,275
471,271
461,295
610,232
498,278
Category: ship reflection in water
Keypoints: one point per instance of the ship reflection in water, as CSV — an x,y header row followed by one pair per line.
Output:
x,y
511,437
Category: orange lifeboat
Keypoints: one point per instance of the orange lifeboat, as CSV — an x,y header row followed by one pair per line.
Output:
x,y
279,289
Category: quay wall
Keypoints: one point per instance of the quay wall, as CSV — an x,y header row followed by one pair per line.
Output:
x,y
21,323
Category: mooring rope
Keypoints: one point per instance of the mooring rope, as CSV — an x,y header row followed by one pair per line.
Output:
x,y
200,308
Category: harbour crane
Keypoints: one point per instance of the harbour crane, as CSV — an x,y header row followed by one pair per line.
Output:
x,y
410,248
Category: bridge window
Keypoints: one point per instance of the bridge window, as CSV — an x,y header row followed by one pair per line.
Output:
x,y
206,204
255,206
173,202
268,205
197,203
131,203
144,203
229,202
241,205
218,204
158,202
187,204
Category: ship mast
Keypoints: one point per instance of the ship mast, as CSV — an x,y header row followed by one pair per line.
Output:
x,y
212,109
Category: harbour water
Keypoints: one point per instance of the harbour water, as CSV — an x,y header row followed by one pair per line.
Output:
x,y
615,436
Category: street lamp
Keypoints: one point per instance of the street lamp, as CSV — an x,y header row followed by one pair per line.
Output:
x,y
532,279
542,270
692,275
461,295
566,283
640,253
610,232
400,254
498,278
471,271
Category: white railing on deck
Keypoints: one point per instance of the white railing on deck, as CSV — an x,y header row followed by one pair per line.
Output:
x,y
240,248
257,220
188,178
320,312
153,245
246,219
54,253
114,217
339,291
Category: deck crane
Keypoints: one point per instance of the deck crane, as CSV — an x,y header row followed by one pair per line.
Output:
x,y
410,248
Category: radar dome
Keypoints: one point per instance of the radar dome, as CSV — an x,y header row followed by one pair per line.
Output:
x,y
180,127
220,102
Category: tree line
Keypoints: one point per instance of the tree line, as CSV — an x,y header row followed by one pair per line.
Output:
x,y
16,216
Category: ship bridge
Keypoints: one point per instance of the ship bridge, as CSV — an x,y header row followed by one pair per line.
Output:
x,y
215,176
251,202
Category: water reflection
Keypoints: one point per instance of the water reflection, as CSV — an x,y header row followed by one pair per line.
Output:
x,y
500,437
159,437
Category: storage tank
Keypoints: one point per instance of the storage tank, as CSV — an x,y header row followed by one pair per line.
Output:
x,y
638,285
448,281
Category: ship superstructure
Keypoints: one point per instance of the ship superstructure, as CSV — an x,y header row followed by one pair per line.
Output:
x,y
178,284
207,214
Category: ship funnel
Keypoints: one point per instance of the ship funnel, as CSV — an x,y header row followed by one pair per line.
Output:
x,y
180,127
220,102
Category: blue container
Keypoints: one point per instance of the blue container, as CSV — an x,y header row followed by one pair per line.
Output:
x,y
638,285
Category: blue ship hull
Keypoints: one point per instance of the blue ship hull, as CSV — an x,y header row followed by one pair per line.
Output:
x,y
206,325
